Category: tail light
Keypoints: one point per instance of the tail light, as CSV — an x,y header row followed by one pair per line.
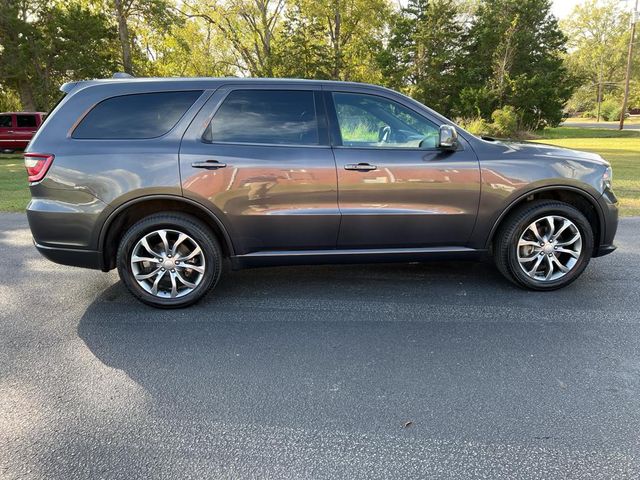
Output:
x,y
37,165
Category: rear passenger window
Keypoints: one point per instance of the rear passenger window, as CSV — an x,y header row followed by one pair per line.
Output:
x,y
144,115
26,120
275,117
5,121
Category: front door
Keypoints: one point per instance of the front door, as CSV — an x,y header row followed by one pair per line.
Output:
x,y
396,188
260,159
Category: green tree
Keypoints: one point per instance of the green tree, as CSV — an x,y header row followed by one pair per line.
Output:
x,y
302,51
598,35
422,56
336,39
47,43
513,56
129,17
251,27
9,101
193,48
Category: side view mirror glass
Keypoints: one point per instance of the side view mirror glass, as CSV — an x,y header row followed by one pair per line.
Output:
x,y
448,138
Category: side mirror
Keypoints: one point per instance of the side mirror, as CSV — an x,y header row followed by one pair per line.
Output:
x,y
448,138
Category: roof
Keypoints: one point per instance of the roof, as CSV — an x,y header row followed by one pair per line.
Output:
x,y
67,87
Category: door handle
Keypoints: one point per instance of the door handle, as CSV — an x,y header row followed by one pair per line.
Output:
x,y
360,167
209,164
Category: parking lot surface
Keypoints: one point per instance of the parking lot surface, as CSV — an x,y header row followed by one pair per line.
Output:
x,y
439,370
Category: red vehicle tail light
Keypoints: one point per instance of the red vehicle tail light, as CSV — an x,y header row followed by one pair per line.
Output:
x,y
37,165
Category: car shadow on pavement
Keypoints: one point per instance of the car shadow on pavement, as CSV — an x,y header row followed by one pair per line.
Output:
x,y
358,348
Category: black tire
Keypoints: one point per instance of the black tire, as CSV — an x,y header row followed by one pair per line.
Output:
x,y
506,243
179,222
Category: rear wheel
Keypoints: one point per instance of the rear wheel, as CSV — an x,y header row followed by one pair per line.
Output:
x,y
169,260
544,245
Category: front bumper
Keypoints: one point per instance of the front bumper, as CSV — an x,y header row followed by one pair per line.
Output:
x,y
609,206
604,250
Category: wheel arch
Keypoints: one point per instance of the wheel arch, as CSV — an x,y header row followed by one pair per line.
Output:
x,y
576,197
134,210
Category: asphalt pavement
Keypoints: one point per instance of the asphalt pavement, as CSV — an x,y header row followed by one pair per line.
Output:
x,y
439,370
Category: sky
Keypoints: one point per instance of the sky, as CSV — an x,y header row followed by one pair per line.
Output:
x,y
562,8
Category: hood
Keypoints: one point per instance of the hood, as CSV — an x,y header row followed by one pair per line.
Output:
x,y
531,149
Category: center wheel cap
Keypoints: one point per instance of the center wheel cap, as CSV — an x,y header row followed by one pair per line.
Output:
x,y
169,264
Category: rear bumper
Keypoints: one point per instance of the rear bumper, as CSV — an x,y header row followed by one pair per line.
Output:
x,y
71,256
64,229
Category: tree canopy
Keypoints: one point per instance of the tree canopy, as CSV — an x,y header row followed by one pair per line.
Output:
x,y
44,44
464,58
598,37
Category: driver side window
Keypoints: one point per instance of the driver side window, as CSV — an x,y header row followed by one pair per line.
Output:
x,y
373,121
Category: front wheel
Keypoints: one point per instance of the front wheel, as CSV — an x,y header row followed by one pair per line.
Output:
x,y
544,245
169,260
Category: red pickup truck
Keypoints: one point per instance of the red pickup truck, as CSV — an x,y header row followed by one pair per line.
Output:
x,y
17,128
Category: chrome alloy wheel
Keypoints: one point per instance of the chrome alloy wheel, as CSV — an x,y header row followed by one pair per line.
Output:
x,y
549,248
167,263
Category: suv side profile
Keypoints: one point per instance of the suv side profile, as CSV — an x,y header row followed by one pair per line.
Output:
x,y
17,129
164,178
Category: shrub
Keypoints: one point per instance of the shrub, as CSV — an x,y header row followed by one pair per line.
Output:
x,y
610,109
477,126
505,121
583,100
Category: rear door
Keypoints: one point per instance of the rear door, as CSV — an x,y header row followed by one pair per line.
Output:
x,y
396,188
26,126
259,158
6,131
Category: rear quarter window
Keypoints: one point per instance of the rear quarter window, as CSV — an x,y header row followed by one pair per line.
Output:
x,y
5,121
143,115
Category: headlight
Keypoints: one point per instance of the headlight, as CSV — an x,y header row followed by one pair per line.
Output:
x,y
607,179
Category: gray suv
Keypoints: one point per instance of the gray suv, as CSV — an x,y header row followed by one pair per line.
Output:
x,y
165,178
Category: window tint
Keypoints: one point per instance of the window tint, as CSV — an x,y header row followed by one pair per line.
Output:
x,y
26,120
372,121
266,116
5,121
145,115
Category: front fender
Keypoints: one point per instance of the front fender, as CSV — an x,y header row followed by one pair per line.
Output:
x,y
487,225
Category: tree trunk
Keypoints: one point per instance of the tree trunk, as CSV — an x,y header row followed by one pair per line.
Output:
x,y
123,34
267,63
26,97
337,50
599,100
625,100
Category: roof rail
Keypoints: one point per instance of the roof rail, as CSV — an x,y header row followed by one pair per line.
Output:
x,y
122,75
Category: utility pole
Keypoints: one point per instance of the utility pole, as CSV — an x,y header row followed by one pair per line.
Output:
x,y
625,101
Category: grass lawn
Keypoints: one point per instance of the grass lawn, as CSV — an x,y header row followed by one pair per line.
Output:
x,y
621,149
595,133
14,189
